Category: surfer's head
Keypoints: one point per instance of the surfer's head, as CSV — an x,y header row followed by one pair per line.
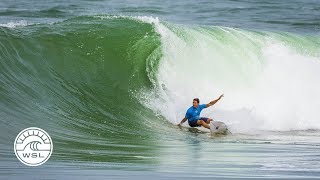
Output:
x,y
195,102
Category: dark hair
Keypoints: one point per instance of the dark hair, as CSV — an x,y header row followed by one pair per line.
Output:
x,y
196,99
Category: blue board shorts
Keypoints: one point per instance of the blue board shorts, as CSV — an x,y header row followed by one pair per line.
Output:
x,y
193,123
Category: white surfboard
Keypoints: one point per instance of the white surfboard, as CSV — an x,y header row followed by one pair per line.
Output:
x,y
218,127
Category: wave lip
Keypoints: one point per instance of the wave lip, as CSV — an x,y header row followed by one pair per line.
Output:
x,y
12,24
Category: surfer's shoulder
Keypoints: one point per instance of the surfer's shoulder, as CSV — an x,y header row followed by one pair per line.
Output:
x,y
190,109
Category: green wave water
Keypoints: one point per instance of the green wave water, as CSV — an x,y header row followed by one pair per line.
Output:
x,y
110,89
73,78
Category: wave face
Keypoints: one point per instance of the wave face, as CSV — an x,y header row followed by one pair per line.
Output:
x,y
74,79
111,78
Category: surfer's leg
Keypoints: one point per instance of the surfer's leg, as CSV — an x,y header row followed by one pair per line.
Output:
x,y
203,123
206,120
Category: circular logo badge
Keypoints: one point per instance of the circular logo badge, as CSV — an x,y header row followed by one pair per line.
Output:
x,y
33,146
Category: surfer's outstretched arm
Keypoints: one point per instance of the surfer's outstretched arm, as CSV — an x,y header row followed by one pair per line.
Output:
x,y
182,121
214,101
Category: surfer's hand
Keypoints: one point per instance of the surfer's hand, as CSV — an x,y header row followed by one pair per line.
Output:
x,y
221,96
179,124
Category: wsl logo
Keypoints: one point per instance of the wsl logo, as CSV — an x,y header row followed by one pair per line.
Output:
x,y
33,146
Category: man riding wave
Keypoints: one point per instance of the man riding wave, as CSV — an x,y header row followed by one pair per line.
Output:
x,y
193,114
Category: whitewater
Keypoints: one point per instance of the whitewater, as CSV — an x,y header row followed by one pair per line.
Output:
x,y
269,80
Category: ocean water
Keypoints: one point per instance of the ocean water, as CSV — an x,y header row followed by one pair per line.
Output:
x,y
109,81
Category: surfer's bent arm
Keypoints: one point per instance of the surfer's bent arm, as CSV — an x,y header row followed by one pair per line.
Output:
x,y
214,101
182,121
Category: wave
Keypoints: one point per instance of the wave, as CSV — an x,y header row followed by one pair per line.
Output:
x,y
114,76
74,79
269,79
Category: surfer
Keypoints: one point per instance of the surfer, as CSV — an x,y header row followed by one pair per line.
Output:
x,y
193,114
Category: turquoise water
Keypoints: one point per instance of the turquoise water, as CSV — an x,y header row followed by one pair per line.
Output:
x,y
110,80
